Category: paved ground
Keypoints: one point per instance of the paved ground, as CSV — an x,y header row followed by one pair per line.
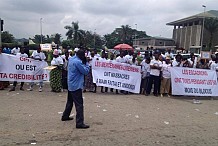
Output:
x,y
31,117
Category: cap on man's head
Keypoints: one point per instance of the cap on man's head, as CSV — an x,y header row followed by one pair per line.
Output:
x,y
76,49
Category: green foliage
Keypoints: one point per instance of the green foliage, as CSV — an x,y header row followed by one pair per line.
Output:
x,y
211,24
7,37
125,34
81,38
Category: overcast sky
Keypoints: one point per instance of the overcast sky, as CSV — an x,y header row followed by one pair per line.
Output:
x,y
22,17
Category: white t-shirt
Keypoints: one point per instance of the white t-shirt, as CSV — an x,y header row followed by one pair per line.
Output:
x,y
135,63
15,51
214,66
169,54
39,55
121,60
146,69
175,63
57,61
128,57
166,68
22,55
155,72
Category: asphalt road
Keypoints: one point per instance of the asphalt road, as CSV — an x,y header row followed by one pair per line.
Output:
x,y
32,117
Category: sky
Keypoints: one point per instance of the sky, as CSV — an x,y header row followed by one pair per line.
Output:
x,y
22,17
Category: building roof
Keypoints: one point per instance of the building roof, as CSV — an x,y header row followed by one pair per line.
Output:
x,y
155,37
208,14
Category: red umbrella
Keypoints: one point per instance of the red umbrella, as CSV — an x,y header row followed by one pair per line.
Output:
x,y
123,47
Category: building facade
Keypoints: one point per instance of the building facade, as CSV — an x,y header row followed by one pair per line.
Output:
x,y
154,43
187,32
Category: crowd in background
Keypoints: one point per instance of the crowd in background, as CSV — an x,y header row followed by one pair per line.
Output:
x,y
155,68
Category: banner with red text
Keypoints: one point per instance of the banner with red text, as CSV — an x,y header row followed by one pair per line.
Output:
x,y
13,68
117,75
196,82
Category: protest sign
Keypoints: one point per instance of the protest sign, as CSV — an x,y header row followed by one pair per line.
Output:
x,y
193,82
13,68
117,75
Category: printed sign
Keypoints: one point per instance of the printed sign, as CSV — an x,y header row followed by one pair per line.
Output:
x,y
196,82
117,75
13,68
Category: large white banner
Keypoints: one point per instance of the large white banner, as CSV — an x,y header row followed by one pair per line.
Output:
x,y
193,82
13,68
117,75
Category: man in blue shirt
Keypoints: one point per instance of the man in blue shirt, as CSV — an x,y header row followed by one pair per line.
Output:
x,y
77,68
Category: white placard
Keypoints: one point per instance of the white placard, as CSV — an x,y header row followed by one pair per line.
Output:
x,y
193,82
13,68
117,75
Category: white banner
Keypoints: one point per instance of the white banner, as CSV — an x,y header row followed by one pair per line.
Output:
x,y
13,68
193,82
117,75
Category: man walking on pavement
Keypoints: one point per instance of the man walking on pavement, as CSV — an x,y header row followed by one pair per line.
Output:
x,y
77,68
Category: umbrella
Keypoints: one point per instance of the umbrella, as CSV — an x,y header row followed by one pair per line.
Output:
x,y
123,47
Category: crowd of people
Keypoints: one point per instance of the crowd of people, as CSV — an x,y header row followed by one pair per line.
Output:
x,y
155,68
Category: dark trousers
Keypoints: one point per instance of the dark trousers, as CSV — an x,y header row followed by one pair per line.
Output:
x,y
15,84
155,80
76,98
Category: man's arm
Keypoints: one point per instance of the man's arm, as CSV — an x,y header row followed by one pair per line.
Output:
x,y
83,68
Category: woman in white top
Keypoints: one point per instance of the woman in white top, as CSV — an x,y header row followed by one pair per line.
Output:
x,y
56,73
165,84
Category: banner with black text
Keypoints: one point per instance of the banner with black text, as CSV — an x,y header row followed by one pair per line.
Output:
x,y
21,69
117,75
193,82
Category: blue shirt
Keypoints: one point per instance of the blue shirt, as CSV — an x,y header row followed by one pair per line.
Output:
x,y
76,72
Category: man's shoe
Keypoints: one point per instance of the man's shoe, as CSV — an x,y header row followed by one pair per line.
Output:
x,y
12,89
21,88
40,89
66,119
30,89
83,126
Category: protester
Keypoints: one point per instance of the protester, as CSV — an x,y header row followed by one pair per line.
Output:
x,y
65,58
203,64
156,66
214,66
15,50
89,85
6,50
40,56
77,68
178,61
56,73
121,58
134,60
145,65
1,82
103,58
129,56
192,61
165,82
169,53
24,55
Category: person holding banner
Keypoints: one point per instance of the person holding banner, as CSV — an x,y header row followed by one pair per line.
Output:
x,y
1,82
178,62
145,66
23,55
214,66
40,56
156,66
77,68
56,73
166,75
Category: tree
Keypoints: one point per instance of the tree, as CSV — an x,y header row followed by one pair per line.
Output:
x,y
124,34
75,33
37,39
211,24
7,37
57,38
